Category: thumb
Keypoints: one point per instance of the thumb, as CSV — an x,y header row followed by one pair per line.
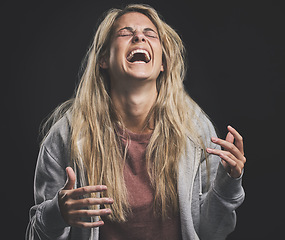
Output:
x,y
71,178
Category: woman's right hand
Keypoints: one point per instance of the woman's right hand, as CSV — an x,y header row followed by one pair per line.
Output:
x,y
73,208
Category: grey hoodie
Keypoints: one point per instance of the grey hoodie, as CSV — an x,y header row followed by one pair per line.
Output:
x,y
205,212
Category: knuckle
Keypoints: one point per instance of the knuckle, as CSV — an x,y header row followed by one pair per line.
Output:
x,y
102,212
63,194
232,147
86,213
81,224
67,205
72,214
98,201
234,164
240,172
84,190
86,224
102,200
87,201
228,154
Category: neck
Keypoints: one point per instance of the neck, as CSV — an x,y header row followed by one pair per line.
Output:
x,y
133,104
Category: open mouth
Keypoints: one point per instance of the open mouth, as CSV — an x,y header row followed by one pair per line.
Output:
x,y
139,55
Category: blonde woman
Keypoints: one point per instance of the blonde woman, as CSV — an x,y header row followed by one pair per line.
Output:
x,y
132,156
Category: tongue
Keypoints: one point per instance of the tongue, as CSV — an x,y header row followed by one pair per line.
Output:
x,y
138,57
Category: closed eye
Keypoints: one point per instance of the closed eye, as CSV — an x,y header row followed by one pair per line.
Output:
x,y
125,32
128,31
125,35
150,33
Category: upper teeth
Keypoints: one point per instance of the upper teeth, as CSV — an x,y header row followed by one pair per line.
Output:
x,y
132,53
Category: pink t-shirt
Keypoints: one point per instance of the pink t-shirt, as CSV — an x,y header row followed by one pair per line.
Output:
x,y
142,223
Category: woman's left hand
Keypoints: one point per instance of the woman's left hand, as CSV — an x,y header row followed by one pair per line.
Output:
x,y
232,154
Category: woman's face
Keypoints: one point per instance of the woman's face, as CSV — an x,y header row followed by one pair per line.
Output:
x,y
135,50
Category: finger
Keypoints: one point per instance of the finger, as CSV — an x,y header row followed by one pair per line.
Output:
x,y
229,147
86,190
230,138
71,178
232,163
86,202
82,224
235,168
229,158
238,139
222,152
90,213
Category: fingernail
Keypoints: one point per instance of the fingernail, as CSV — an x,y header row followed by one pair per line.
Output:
x,y
108,210
100,223
209,150
214,139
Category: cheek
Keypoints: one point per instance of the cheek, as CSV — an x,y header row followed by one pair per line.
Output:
x,y
116,53
116,60
113,54
159,60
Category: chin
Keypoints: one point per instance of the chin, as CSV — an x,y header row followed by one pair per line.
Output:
x,y
142,73
141,76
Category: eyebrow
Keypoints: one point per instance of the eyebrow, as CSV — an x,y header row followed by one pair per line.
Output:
x,y
132,30
149,29
126,28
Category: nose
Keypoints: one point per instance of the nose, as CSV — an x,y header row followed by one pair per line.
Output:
x,y
138,37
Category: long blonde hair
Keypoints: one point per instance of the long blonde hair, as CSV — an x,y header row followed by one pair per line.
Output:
x,y
95,144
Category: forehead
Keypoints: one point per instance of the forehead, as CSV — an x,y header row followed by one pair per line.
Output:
x,y
134,20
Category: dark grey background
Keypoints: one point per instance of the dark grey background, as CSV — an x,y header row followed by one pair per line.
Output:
x,y
236,61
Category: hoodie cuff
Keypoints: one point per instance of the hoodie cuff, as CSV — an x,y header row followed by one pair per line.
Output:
x,y
226,186
51,217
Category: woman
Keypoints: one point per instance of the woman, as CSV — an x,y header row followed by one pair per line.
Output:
x,y
132,156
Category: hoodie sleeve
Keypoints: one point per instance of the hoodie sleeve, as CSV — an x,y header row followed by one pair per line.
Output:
x,y
220,196
46,221
218,204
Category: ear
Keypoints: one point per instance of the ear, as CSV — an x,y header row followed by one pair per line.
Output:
x,y
162,68
104,63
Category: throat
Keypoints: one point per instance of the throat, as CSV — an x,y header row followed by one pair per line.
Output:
x,y
134,108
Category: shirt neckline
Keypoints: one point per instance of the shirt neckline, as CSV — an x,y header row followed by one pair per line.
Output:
x,y
138,137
